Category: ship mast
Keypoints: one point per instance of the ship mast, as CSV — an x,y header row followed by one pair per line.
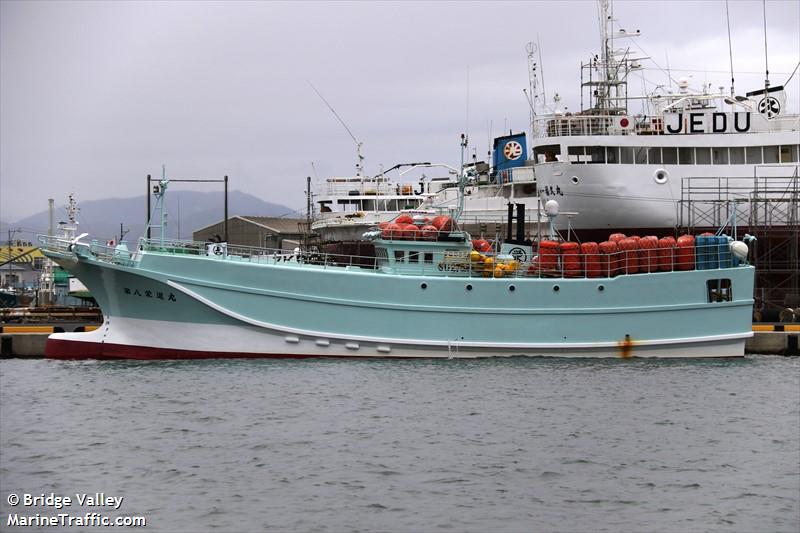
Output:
x,y
608,92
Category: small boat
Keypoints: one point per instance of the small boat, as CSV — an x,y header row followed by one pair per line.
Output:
x,y
428,292
348,206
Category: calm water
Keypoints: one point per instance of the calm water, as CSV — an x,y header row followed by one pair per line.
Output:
x,y
491,445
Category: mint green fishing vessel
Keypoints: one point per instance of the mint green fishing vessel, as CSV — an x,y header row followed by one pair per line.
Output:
x,y
426,293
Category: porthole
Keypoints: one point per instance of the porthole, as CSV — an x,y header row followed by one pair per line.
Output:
x,y
601,288
556,288
512,288
661,176
575,180
469,287
423,286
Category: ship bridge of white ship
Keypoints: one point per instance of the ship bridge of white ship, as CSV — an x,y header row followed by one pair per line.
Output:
x,y
362,194
684,152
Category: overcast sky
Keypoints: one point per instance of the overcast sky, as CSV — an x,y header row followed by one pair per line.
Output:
x,y
95,95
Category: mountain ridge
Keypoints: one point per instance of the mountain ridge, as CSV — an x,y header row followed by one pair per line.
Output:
x,y
187,212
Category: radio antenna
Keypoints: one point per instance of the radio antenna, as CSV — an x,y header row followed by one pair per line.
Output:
x,y
730,46
360,160
766,55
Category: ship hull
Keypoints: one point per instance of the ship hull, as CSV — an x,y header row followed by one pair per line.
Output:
x,y
190,307
145,340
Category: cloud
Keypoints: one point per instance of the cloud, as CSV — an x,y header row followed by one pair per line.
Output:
x,y
95,95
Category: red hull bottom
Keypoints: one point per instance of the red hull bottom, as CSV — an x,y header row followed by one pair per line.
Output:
x,y
74,350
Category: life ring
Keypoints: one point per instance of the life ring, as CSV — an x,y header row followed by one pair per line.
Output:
x,y
661,176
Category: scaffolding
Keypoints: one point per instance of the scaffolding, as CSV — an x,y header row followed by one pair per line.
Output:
x,y
766,206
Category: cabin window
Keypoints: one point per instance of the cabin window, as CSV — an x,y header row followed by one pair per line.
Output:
x,y
428,257
399,256
547,153
789,153
368,205
413,257
702,156
737,155
686,156
720,156
626,155
770,154
719,290
597,154
753,155
612,154
380,253
576,154
641,155
669,156
655,156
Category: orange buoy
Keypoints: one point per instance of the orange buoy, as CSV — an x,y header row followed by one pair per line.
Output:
x,y
648,254
590,255
404,219
630,259
442,223
391,231
548,255
666,254
383,224
684,255
616,237
608,257
570,259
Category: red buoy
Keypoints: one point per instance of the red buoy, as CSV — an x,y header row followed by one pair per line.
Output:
x,y
608,257
548,255
429,233
684,256
630,259
590,255
616,237
648,254
391,231
442,223
404,219
666,254
409,231
570,259
481,245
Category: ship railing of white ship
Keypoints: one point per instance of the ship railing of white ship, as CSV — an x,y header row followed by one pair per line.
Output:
x,y
364,186
589,125
467,264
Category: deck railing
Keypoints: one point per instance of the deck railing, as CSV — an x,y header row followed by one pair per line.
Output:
x,y
461,264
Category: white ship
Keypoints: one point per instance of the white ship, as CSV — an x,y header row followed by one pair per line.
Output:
x,y
624,170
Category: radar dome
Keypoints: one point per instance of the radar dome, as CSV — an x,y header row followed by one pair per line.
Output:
x,y
551,208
